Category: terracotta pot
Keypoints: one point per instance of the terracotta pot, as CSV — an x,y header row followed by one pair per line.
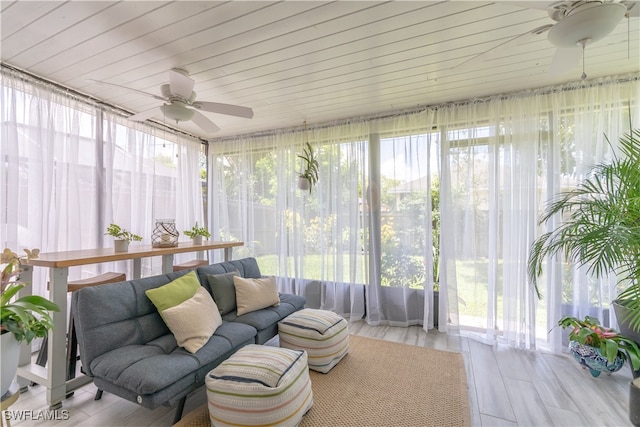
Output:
x,y
10,355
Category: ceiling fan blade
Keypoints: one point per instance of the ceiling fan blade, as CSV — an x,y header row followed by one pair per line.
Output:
x,y
204,123
228,109
128,88
502,47
144,115
180,84
564,59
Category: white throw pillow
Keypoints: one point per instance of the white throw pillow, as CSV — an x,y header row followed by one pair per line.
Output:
x,y
255,294
193,321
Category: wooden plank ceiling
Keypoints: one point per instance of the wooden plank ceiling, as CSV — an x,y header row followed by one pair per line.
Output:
x,y
297,61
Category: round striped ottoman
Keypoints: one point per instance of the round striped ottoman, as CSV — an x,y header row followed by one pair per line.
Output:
x,y
323,334
260,385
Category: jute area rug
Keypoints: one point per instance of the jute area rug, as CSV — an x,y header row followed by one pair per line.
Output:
x,y
380,383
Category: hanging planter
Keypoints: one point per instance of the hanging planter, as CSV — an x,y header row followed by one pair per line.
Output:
x,y
308,177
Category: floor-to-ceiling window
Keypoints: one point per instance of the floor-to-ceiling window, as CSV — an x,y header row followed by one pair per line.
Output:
x,y
446,197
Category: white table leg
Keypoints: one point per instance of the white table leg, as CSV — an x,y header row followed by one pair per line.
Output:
x,y
56,363
227,253
167,263
137,268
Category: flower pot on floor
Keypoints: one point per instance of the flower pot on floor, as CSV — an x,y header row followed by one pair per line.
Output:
x,y
10,355
591,358
625,329
634,402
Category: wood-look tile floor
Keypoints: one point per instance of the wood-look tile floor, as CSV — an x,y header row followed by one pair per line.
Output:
x,y
507,387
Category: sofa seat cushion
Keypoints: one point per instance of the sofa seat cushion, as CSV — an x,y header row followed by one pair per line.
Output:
x,y
266,317
146,369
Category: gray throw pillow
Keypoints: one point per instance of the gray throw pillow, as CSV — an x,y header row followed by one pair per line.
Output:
x,y
223,291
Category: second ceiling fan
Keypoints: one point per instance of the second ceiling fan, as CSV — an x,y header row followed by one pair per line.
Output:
x,y
578,24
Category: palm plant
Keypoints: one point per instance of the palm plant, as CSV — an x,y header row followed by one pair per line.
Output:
x,y
601,229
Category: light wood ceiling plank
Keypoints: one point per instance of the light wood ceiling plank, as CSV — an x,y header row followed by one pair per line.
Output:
x,y
175,50
370,49
140,34
76,41
19,15
57,20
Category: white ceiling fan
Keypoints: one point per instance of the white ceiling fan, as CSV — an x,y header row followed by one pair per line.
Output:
x,y
180,103
579,23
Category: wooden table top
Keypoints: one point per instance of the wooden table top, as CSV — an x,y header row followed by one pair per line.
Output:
x,y
94,256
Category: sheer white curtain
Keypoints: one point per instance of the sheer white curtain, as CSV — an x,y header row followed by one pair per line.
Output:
x,y
458,187
360,243
503,158
312,241
69,168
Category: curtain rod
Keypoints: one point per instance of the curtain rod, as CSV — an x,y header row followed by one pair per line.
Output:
x,y
565,87
91,100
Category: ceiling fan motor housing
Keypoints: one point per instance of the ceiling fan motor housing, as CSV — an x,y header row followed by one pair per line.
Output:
x,y
583,22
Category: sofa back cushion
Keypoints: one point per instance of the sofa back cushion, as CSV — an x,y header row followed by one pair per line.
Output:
x,y
115,315
246,267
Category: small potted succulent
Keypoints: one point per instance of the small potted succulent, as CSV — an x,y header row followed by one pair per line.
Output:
x,y
21,319
598,348
197,233
122,237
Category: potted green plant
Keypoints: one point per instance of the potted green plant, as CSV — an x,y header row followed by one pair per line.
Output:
x,y
601,230
197,233
21,319
308,177
122,237
598,348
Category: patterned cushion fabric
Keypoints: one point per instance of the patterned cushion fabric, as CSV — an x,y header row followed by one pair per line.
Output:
x,y
323,334
260,385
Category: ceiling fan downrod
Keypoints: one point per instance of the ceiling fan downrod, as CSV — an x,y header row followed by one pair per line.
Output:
x,y
583,43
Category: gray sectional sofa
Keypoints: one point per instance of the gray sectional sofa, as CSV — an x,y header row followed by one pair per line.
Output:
x,y
129,351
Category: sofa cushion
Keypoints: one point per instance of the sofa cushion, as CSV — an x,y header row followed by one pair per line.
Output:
x,y
223,291
253,294
193,321
146,369
247,267
270,316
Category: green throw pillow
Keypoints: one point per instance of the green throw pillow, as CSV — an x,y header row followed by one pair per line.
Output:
x,y
175,292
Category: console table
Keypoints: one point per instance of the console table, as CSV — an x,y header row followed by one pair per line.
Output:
x,y
53,376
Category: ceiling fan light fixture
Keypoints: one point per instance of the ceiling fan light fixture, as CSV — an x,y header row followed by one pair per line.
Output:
x,y
177,111
589,21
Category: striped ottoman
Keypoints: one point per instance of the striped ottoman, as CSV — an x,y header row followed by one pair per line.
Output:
x,y
260,385
323,334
